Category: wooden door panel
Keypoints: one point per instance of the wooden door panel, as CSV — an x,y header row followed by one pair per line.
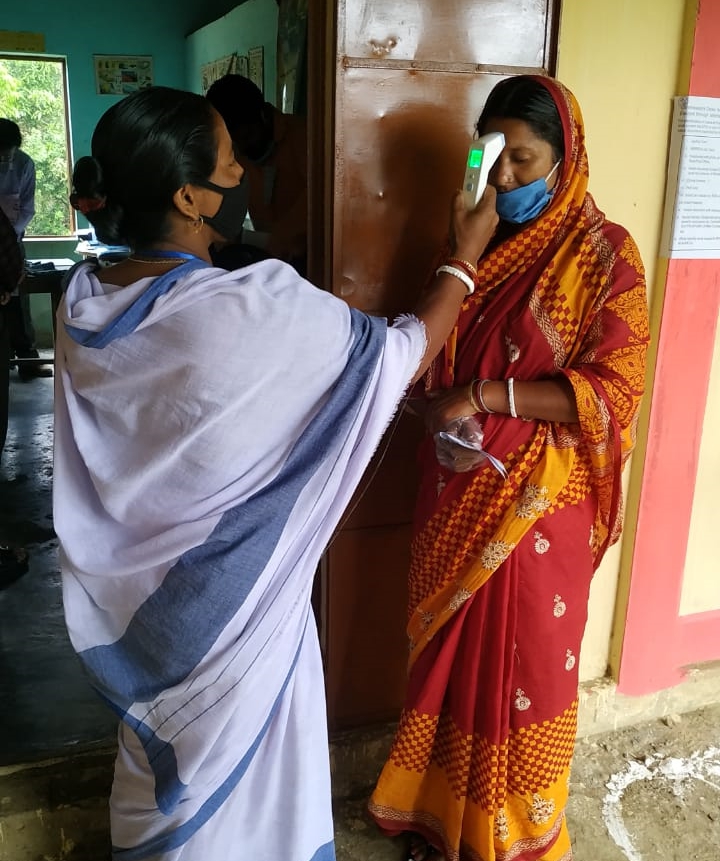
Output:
x,y
386,495
492,32
366,624
410,80
403,135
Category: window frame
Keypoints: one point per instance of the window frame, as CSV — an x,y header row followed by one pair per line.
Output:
x,y
62,61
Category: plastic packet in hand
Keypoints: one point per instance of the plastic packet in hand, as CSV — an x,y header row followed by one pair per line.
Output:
x,y
460,446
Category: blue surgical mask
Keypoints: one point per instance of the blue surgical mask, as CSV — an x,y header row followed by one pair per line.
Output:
x,y
526,202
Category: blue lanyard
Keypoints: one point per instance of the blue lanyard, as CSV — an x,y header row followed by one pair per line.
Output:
x,y
180,255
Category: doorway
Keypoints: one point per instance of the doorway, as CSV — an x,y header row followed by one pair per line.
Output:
x,y
403,86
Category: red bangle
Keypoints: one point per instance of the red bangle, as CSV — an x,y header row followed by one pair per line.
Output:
x,y
466,267
466,264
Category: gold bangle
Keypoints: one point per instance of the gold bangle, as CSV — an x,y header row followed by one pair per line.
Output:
x,y
480,398
471,397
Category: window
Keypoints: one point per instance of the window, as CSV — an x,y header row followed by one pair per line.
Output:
x,y
33,93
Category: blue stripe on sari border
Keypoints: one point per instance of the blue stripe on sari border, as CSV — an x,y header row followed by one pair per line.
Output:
x,y
169,788
131,317
183,833
325,853
169,634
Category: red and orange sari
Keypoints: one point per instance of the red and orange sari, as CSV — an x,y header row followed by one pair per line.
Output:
x,y
501,569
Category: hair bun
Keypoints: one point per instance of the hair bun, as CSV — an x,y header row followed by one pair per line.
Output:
x,y
87,178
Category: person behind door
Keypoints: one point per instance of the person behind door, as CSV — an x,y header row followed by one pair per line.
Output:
x,y
272,148
13,559
549,356
210,428
17,201
11,272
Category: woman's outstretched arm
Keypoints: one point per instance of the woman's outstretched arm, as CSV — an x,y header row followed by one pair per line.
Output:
x,y
439,304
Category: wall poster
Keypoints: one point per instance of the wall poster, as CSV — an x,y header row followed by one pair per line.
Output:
x,y
292,56
22,42
691,227
119,75
256,67
213,71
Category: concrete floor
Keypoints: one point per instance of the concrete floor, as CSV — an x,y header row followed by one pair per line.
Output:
x,y
48,707
57,739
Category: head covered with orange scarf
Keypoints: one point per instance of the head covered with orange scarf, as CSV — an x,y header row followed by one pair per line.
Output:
x,y
535,244
569,194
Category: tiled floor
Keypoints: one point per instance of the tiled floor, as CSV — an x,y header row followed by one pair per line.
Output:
x,y
48,708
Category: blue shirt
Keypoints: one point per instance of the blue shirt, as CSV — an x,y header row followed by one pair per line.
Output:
x,y
17,191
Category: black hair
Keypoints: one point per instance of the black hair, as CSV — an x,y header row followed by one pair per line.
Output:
x,y
238,100
144,148
9,134
524,98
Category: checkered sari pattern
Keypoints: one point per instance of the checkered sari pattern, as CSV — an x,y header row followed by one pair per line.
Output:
x,y
456,535
539,754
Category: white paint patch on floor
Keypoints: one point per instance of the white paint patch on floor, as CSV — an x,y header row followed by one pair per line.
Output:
x,y
701,766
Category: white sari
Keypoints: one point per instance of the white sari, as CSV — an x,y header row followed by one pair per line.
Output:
x,y
211,427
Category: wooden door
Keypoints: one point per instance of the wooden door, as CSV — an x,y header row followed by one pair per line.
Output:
x,y
392,110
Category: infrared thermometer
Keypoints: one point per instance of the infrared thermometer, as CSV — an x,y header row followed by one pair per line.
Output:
x,y
482,155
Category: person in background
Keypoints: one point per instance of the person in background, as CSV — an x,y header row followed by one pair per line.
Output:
x,y
11,273
13,559
548,360
17,201
272,148
192,506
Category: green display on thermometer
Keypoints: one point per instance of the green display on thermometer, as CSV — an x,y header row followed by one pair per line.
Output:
x,y
481,156
475,157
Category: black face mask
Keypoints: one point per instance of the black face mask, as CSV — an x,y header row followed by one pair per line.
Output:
x,y
228,220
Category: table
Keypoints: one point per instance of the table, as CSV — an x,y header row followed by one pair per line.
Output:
x,y
45,276
104,254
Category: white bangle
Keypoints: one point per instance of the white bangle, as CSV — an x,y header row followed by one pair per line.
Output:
x,y
511,396
458,273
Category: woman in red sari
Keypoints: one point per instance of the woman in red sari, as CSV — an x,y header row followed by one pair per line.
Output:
x,y
549,355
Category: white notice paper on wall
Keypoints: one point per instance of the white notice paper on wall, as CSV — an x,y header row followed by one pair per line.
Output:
x,y
692,199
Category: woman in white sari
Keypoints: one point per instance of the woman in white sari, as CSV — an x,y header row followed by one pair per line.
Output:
x,y
210,428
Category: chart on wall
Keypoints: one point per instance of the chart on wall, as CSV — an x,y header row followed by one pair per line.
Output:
x,y
292,56
691,228
233,64
119,75
256,67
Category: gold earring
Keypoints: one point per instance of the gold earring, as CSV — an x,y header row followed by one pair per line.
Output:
x,y
196,223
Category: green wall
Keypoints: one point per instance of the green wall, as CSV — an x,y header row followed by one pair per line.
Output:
x,y
76,31
251,25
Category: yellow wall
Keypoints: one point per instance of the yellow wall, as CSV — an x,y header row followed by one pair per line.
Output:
x,y
622,60
701,583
